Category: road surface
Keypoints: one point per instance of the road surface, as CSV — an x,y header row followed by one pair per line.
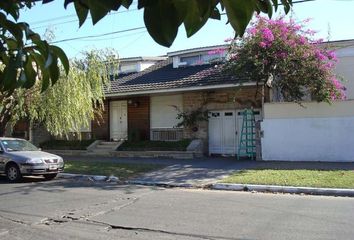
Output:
x,y
67,209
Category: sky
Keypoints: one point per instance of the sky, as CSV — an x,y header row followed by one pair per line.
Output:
x,y
329,17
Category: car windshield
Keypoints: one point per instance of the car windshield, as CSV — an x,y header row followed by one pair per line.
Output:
x,y
18,145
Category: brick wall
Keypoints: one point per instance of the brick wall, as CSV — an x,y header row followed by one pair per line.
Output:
x,y
21,129
100,126
238,98
39,135
138,119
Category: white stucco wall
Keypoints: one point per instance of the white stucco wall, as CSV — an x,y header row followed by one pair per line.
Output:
x,y
144,65
319,132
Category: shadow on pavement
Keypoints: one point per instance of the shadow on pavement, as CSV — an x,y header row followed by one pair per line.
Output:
x,y
217,162
29,184
195,171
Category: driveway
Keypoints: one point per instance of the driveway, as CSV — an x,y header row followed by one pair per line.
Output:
x,y
207,170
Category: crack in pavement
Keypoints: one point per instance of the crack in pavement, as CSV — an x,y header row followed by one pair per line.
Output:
x,y
70,218
14,220
142,229
113,209
85,219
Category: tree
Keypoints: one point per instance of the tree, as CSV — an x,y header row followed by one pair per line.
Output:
x,y
68,105
24,54
284,55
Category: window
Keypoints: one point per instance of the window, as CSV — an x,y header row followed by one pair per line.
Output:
x,y
204,58
163,110
18,145
192,60
209,58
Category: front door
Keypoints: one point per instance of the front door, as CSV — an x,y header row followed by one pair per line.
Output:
x,y
118,120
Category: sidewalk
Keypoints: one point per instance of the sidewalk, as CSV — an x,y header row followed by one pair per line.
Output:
x,y
208,170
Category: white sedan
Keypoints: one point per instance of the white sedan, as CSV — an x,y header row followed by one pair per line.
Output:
x,y
19,157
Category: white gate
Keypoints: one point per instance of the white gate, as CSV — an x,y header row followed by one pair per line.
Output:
x,y
224,131
118,120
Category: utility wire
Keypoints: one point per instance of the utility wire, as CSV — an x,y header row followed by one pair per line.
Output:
x,y
111,38
99,35
133,29
75,15
113,13
76,20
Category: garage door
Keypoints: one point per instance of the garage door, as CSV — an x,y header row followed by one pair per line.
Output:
x,y
224,129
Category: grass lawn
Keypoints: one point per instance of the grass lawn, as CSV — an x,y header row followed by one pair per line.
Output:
x,y
155,145
303,178
121,170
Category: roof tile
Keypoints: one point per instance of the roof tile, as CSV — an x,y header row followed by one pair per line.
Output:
x,y
162,75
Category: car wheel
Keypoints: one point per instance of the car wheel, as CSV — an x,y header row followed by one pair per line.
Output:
x,y
50,176
13,173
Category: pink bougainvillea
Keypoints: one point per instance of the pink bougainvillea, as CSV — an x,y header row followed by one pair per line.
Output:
x,y
285,49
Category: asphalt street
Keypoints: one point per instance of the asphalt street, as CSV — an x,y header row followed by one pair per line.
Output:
x,y
68,209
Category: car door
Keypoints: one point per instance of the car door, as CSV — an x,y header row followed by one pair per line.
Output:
x,y
2,159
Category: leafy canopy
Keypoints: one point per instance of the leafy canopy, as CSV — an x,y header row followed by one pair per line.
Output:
x,y
26,56
71,103
284,55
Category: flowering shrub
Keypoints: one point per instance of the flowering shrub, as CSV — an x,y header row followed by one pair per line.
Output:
x,y
283,54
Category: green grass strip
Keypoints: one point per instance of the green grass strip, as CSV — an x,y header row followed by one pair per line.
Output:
x,y
121,170
303,178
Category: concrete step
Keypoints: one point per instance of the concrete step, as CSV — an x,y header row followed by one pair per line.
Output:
x,y
104,146
108,143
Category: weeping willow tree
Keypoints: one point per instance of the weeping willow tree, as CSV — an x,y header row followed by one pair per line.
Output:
x,y
66,106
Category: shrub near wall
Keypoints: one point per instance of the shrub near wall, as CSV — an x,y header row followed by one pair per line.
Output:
x,y
66,145
155,145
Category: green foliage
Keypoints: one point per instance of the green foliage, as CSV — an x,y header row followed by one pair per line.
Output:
x,y
24,53
155,145
163,17
70,104
75,99
134,135
191,118
283,54
66,144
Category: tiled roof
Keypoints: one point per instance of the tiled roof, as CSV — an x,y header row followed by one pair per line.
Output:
x,y
197,49
162,76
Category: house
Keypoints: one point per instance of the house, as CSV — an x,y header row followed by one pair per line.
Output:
x,y
38,134
317,131
144,105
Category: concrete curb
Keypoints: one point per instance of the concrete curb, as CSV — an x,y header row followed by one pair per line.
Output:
x,y
162,184
284,189
95,178
220,186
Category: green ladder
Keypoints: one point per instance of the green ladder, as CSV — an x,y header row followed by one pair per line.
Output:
x,y
247,144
